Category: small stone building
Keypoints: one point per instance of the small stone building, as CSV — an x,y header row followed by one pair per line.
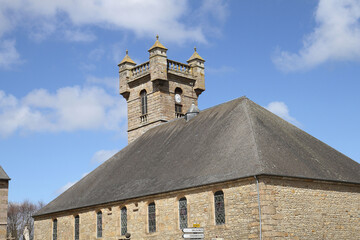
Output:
x,y
236,170
4,186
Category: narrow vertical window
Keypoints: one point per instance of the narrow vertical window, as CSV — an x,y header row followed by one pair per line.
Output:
x,y
123,221
219,208
143,96
178,103
99,224
77,225
152,217
183,213
55,229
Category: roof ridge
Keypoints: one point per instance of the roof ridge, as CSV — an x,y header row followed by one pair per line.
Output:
x,y
253,134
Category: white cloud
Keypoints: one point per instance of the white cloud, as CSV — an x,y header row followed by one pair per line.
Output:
x,y
68,109
175,21
335,38
142,17
103,155
8,54
64,188
280,109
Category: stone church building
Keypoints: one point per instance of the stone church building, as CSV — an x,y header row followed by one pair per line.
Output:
x,y
4,187
236,170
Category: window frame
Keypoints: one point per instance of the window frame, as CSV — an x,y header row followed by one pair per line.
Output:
x,y
143,98
99,227
152,217
183,222
77,227
55,225
123,218
219,208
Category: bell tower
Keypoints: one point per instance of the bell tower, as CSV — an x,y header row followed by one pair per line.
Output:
x,y
160,89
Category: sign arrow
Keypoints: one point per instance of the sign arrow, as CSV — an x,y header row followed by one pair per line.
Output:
x,y
193,236
193,230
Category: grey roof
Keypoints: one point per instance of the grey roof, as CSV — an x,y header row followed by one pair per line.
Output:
x,y
3,175
230,141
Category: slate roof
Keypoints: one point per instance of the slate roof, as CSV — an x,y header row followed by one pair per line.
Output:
x,y
3,175
230,141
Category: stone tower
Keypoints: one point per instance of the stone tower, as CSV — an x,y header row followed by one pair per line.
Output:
x,y
4,185
160,89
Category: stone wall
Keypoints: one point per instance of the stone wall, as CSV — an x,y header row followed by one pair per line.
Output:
x,y
290,209
3,207
240,202
293,209
160,103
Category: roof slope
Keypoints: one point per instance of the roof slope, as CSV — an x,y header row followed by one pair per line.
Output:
x,y
230,141
3,175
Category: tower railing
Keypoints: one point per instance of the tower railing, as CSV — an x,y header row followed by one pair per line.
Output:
x,y
178,67
140,69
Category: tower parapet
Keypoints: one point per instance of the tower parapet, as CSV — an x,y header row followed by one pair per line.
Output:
x,y
160,89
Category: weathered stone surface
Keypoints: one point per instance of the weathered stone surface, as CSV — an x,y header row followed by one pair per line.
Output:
x,y
335,217
3,207
159,81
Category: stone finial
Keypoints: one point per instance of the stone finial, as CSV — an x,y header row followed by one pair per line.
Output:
x,y
127,59
157,44
195,56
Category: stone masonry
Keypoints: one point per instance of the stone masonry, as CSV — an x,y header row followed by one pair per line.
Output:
x,y
290,209
3,207
159,77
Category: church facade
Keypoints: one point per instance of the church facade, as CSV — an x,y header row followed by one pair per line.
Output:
x,y
236,170
4,188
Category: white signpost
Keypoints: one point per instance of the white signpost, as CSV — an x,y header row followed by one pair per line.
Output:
x,y
193,233
193,236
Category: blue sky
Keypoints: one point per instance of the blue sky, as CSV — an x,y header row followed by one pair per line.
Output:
x,y
60,111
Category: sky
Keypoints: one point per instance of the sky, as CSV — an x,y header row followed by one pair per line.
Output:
x,y
61,115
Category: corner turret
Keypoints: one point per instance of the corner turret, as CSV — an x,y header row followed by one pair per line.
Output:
x,y
198,71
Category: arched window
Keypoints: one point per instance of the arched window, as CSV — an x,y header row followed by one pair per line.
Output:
x,y
183,213
99,224
143,96
77,226
219,208
55,229
152,217
123,221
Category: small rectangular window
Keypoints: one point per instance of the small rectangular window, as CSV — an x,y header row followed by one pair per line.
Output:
x,y
77,226
183,213
99,224
123,221
178,108
55,229
152,217
219,208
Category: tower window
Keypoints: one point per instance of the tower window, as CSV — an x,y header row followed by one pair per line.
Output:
x,y
123,221
178,108
152,217
219,208
183,213
77,223
55,229
178,102
99,224
143,96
